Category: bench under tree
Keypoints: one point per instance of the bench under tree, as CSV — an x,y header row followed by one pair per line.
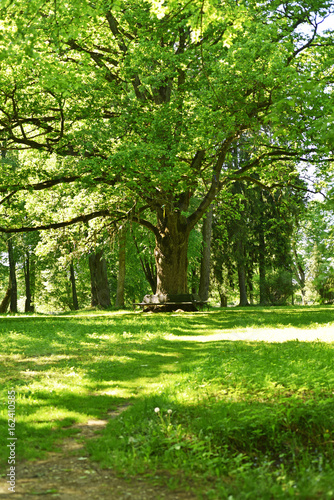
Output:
x,y
167,303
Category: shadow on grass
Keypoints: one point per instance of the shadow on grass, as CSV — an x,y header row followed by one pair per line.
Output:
x,y
227,318
66,369
228,427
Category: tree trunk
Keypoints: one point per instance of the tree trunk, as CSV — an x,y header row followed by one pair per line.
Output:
x,y
12,274
241,274
242,285
299,273
205,261
250,287
262,267
223,299
5,301
121,267
99,280
170,253
194,283
28,307
148,268
74,288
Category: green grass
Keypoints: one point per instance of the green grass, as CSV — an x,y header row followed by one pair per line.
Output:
x,y
233,419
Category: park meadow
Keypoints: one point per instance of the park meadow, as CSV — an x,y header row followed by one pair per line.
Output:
x,y
206,409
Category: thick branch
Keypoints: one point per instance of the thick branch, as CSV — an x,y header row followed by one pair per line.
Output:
x,y
303,47
56,225
44,184
215,185
114,28
146,224
39,186
97,58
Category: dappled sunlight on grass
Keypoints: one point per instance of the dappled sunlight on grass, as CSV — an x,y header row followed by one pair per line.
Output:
x,y
323,334
234,385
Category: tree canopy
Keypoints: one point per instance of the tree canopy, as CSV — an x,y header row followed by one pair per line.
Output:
x,y
141,103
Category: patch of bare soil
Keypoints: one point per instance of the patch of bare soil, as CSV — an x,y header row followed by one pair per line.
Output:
x,y
70,475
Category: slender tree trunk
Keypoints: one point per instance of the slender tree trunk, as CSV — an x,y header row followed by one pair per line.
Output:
x,y
121,267
12,274
148,268
94,298
300,273
205,261
74,288
170,253
250,287
150,273
223,299
193,281
262,267
241,274
99,281
28,307
242,285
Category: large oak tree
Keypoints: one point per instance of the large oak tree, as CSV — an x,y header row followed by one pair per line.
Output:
x,y
145,101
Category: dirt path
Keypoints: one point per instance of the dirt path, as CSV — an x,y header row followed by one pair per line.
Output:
x,y
70,475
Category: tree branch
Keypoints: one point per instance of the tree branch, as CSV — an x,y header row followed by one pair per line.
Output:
x,y
97,58
214,187
56,225
265,187
39,186
146,224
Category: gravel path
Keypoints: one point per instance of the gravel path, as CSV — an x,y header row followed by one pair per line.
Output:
x,y
70,475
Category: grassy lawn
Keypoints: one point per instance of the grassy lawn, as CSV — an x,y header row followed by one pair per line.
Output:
x,y
227,419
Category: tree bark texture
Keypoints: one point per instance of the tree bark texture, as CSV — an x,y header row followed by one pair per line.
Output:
x,y
5,301
121,267
170,253
12,274
205,261
100,293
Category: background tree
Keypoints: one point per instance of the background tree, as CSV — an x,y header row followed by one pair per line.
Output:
x,y
120,297
204,283
315,248
254,240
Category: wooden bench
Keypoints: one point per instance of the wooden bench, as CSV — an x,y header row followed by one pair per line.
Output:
x,y
166,303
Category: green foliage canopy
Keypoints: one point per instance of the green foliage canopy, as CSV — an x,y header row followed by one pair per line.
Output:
x,y
148,97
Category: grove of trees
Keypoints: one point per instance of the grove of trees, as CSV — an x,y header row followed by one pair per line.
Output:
x,y
135,132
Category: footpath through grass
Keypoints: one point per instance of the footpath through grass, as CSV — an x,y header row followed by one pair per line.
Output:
x,y
227,419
